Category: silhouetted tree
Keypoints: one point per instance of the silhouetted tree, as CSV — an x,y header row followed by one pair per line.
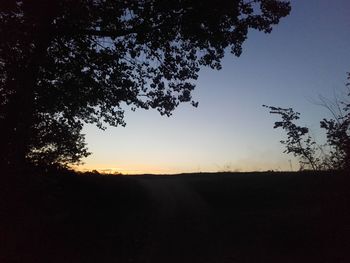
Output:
x,y
298,141
68,62
338,133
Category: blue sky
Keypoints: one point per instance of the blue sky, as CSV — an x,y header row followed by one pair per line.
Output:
x,y
306,55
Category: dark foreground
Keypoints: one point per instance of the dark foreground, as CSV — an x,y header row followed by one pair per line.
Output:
x,y
261,217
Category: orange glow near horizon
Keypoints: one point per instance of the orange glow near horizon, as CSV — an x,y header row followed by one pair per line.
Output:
x,y
239,166
127,169
116,170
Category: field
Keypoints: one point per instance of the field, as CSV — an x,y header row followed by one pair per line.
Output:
x,y
219,217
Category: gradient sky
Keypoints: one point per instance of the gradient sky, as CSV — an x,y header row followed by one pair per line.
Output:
x,y
306,55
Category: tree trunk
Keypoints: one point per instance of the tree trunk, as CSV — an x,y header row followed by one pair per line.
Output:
x,y
17,121
18,117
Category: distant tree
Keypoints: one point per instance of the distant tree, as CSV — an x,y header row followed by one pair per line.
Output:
x,y
300,143
64,63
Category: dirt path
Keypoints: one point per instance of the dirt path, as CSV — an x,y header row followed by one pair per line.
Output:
x,y
179,230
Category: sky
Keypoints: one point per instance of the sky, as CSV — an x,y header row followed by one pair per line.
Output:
x,y
306,55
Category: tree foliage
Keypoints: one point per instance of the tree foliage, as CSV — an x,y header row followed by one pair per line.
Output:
x,y
338,133
64,63
300,143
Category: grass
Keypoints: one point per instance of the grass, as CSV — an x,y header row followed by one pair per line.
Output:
x,y
282,217
263,217
69,218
